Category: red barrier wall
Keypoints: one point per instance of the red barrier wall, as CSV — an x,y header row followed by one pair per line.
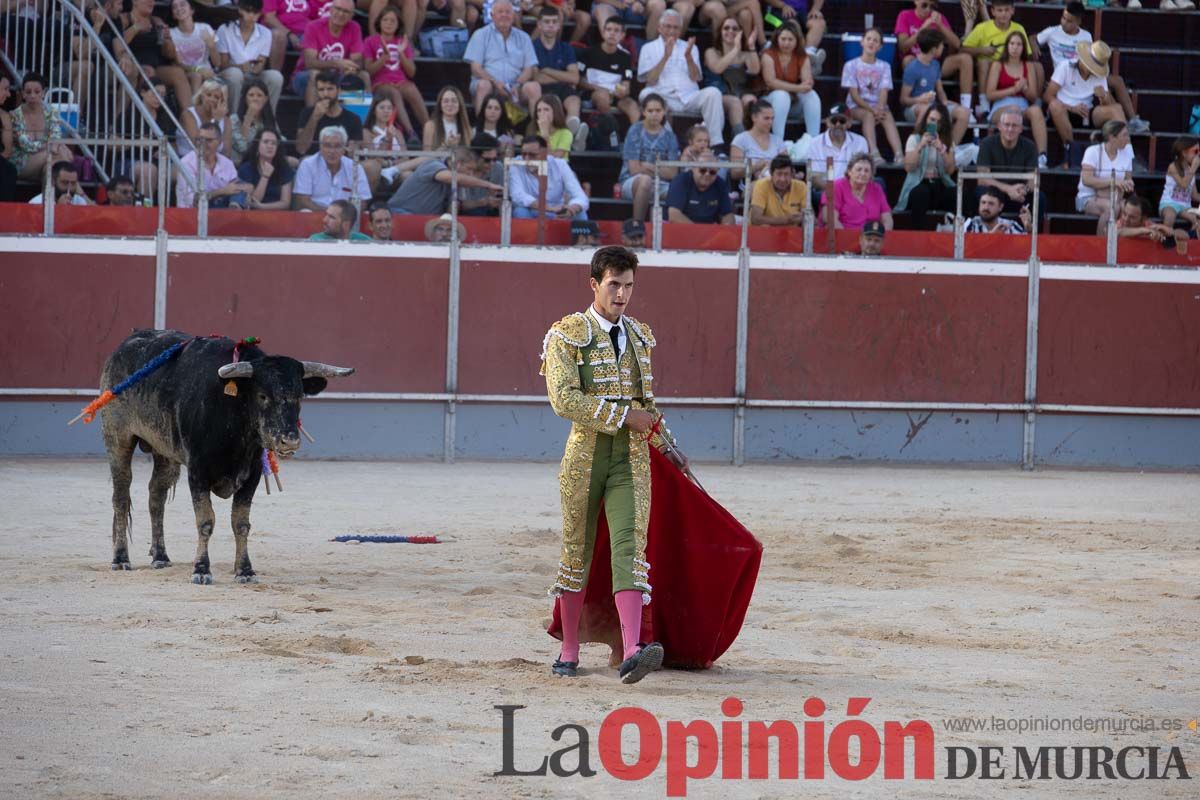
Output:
x,y
61,316
896,337
383,316
1130,344
507,309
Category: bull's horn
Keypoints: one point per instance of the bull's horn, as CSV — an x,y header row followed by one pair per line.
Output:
x,y
315,369
238,369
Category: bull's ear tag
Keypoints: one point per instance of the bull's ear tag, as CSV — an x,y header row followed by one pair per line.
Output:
x,y
231,388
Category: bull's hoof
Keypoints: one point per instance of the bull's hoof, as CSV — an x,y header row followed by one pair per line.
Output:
x,y
120,566
202,579
251,578
161,563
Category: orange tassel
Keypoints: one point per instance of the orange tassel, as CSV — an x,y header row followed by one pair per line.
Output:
x,y
89,412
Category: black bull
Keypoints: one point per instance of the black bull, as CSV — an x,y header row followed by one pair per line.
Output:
x,y
182,414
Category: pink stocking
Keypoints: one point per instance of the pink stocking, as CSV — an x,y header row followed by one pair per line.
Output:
x,y
629,609
570,606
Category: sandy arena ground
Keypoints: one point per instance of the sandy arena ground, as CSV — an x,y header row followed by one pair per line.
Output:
x,y
372,670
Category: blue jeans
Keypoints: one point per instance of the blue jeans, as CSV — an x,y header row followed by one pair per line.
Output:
x,y
226,200
524,212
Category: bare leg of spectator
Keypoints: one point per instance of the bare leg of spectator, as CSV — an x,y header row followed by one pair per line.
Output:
x,y
1102,114
686,10
1120,91
816,32
654,10
372,166
643,190
713,14
482,90
867,119
734,113
531,92
631,108
416,104
960,120
175,78
963,66
422,7
234,77
583,22
571,106
1062,124
145,178
1098,206
279,43
274,81
1037,126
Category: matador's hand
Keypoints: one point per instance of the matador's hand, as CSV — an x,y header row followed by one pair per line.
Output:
x,y
639,420
677,458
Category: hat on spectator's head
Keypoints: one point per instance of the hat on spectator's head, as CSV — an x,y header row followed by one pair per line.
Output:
x,y
584,227
873,227
1095,57
447,220
837,110
633,227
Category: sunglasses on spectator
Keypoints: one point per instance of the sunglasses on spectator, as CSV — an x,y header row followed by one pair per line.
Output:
x,y
707,171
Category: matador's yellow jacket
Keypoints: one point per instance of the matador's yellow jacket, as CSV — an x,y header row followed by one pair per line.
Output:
x,y
587,386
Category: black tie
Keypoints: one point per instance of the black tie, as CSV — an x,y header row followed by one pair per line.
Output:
x,y
615,334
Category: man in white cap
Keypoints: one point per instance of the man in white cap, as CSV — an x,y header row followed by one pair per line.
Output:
x,y
1081,88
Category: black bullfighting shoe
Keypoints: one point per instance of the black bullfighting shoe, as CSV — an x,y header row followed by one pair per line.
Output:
x,y
647,659
565,669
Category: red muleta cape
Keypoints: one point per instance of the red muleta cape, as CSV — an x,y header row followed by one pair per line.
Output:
x,y
703,565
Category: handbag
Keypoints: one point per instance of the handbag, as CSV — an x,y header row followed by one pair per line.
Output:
x,y
1194,120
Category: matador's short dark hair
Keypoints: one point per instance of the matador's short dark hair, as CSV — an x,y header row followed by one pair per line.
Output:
x,y
613,258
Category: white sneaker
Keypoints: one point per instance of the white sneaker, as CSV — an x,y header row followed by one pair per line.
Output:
x,y
818,61
1134,4
1042,162
579,143
1185,4
1139,125
1168,5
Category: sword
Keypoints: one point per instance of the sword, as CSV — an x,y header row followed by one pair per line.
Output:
x,y
687,471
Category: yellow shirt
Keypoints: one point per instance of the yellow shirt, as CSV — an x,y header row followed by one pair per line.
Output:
x,y
764,196
986,34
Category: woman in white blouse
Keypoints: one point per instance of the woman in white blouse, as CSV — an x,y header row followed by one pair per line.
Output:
x,y
1109,162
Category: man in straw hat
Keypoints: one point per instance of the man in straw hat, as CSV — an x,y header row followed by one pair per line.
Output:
x,y
1081,89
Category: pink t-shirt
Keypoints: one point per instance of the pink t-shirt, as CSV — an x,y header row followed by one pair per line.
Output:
x,y
392,72
908,23
852,213
293,14
317,36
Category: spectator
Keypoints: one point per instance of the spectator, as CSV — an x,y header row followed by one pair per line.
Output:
x,y
8,173
502,61
1009,151
779,199
986,44
380,219
633,233
1012,83
412,12
1180,190
440,229
338,223
728,67
427,190
380,133
287,20
648,141
657,9
266,169
220,177
909,26
138,162
476,201
558,69
120,191
608,69
449,126
698,143
152,48
921,85
857,197
698,195
33,125
244,50
1081,89
839,144
929,163
331,44
1134,222
195,45
758,143
494,123
328,112
330,174
870,239
787,73
869,80
389,60
254,115
564,196
64,177
748,14
991,203
1063,40
1107,172
627,12
549,123
585,233
811,22
671,71
210,104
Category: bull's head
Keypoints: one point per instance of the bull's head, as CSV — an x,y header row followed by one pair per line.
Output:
x,y
275,385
